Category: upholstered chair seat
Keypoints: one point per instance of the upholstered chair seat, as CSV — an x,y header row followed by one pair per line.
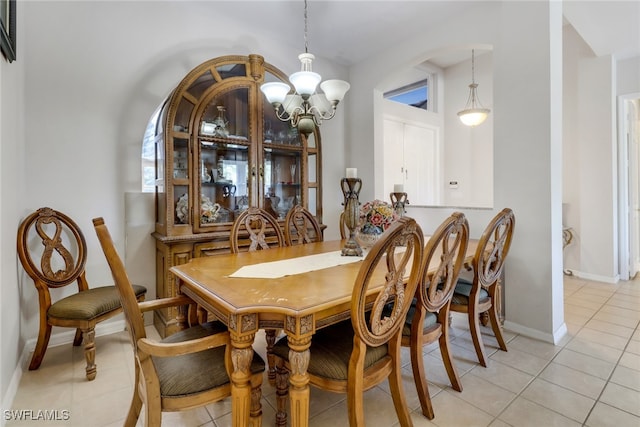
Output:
x,y
91,303
463,290
194,373
430,320
331,349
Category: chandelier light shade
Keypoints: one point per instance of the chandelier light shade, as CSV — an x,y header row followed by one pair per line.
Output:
x,y
306,108
474,113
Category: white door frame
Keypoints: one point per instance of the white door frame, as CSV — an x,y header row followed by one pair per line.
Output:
x,y
627,168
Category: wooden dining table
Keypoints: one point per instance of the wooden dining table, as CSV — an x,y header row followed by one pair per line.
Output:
x,y
298,289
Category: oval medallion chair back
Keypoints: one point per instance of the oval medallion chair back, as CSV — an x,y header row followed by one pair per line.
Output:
x,y
300,227
357,354
183,371
482,294
428,317
257,228
53,252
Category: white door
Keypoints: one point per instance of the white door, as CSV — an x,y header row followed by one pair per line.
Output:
x,y
412,158
393,154
421,163
633,138
629,185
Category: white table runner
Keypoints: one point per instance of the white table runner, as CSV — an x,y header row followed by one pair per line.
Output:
x,y
291,266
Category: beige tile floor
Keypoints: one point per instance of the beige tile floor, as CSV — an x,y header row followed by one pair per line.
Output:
x,y
591,379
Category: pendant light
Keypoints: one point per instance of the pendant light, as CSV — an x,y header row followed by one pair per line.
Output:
x,y
474,113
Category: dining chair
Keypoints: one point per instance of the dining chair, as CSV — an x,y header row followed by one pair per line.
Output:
x,y
300,227
482,293
357,354
428,317
53,252
183,371
255,229
263,232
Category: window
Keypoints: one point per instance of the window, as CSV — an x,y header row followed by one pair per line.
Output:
x,y
149,155
416,94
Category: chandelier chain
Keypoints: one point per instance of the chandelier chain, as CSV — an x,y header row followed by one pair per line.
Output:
x,y
306,43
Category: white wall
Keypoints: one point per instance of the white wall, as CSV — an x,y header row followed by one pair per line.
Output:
x,y
590,174
12,178
13,173
468,150
527,142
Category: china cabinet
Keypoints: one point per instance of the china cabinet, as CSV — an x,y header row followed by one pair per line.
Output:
x,y
220,149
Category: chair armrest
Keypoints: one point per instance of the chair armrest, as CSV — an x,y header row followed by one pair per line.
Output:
x,y
165,302
159,349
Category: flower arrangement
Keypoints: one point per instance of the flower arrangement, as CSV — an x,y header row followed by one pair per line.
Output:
x,y
376,216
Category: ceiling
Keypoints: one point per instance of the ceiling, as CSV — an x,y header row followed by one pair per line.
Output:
x,y
348,31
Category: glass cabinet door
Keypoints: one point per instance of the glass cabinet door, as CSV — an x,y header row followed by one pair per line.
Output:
x,y
282,165
223,159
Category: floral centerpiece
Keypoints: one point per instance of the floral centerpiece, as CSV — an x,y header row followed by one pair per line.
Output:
x,y
375,217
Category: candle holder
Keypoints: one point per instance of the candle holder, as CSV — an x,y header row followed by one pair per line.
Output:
x,y
398,200
351,191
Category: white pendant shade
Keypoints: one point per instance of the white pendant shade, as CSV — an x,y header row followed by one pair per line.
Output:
x,y
320,101
473,117
305,82
275,92
292,102
335,90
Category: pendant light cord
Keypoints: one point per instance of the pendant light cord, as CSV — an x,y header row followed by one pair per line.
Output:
x,y
473,66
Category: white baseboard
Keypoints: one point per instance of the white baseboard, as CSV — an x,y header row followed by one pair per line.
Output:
x,y
553,338
595,277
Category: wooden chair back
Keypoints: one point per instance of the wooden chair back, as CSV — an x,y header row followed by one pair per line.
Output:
x,y
53,252
301,227
442,261
493,248
444,257
357,354
132,313
400,250
256,227
481,298
62,256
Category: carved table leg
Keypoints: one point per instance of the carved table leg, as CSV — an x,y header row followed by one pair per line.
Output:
x,y
241,356
299,380
242,329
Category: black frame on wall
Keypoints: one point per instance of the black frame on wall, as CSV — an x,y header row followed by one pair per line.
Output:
x,y
8,29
